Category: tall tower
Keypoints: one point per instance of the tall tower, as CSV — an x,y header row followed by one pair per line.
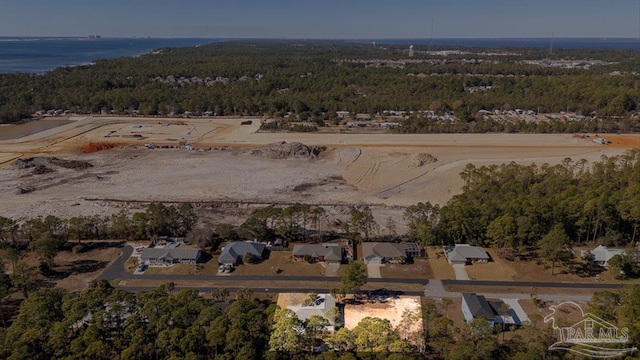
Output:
x,y
410,50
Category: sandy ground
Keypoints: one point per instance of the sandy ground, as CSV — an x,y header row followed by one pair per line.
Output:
x,y
391,310
379,169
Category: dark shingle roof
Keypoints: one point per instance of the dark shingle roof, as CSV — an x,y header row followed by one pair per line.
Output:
x,y
330,252
371,250
234,251
156,253
478,306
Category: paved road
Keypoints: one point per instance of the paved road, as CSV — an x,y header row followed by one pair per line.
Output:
x,y
116,269
533,284
433,288
257,290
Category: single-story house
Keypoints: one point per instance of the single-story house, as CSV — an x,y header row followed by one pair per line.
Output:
x,y
324,303
233,252
319,252
378,253
601,255
465,254
156,256
476,306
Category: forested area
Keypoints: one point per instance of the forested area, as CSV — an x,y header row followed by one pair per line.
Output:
x,y
105,323
49,235
312,80
546,208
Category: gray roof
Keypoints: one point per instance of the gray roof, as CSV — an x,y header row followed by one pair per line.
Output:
x,y
157,253
604,254
331,252
322,306
478,306
371,250
233,252
463,252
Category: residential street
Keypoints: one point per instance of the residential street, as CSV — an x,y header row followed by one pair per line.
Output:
x,y
433,287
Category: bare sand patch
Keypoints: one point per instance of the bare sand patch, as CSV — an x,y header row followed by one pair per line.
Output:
x,y
391,310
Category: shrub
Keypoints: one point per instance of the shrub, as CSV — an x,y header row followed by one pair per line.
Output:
x,y
249,258
79,248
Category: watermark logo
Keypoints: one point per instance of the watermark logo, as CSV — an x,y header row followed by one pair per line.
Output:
x,y
590,336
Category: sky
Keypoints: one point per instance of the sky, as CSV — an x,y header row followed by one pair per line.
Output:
x,y
322,19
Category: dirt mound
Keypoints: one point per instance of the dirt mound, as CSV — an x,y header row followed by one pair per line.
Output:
x,y
423,159
93,147
42,164
41,169
70,164
284,150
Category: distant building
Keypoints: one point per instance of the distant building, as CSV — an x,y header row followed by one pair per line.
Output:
x,y
410,50
465,254
363,117
342,114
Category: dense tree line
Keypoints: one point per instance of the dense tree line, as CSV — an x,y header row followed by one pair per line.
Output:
x,y
297,222
106,323
547,207
47,236
157,220
274,78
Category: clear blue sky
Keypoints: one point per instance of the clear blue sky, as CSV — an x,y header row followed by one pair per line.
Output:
x,y
322,18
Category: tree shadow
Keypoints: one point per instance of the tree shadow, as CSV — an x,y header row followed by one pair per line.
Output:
x,y
585,269
77,267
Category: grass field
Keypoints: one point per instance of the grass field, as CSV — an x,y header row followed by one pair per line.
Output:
x,y
283,261
504,270
420,269
177,269
440,267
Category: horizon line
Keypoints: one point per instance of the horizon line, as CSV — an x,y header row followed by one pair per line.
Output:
x,y
316,38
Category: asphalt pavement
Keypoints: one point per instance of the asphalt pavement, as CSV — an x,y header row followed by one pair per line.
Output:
x,y
434,288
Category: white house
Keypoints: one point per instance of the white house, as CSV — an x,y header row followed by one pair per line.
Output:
x,y
323,304
601,255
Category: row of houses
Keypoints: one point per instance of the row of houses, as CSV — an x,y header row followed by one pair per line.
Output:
x,y
373,253
232,254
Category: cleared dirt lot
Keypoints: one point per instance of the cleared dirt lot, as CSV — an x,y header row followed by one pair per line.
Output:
x,y
392,310
388,170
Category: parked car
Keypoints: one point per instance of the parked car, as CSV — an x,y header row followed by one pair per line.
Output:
x,y
141,267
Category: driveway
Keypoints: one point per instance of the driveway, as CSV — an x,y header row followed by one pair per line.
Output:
x,y
515,305
461,272
373,271
331,269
